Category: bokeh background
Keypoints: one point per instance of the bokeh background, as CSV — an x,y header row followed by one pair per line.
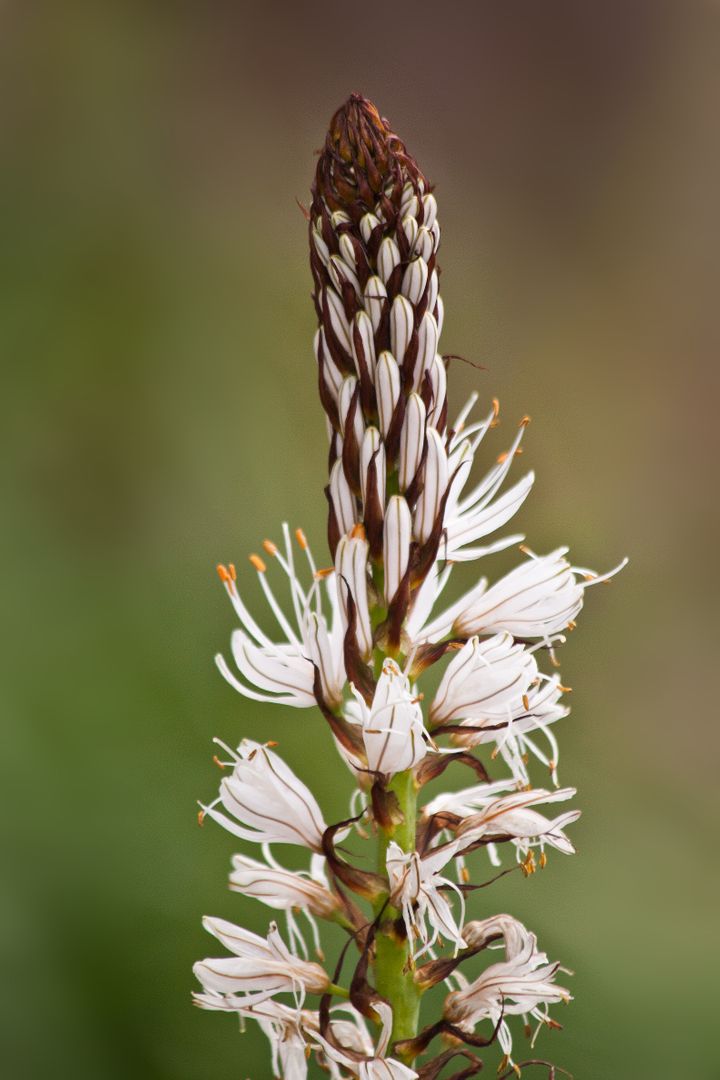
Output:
x,y
159,415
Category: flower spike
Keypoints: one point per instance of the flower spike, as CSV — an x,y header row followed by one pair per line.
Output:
x,y
355,634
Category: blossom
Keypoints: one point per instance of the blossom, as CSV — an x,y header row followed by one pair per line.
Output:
x,y
374,1065
267,801
522,984
415,883
511,816
392,727
485,680
281,889
259,968
537,599
285,673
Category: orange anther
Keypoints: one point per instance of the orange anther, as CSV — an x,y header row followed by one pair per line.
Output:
x,y
218,762
543,860
271,743
223,573
526,702
233,571
525,421
270,547
465,874
326,572
571,625
496,407
301,538
357,532
565,689
502,458
201,817
258,563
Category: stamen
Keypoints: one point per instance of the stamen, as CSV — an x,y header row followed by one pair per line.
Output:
x,y
200,817
220,764
270,547
301,539
257,563
357,532
525,421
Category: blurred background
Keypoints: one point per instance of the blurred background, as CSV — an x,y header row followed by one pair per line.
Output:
x,y
159,416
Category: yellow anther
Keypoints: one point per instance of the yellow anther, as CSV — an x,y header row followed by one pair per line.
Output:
x,y
301,538
270,547
542,860
465,874
258,563
526,703
528,866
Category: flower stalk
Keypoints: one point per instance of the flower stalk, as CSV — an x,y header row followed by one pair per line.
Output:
x,y
355,640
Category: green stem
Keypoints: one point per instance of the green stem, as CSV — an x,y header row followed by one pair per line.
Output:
x,y
393,953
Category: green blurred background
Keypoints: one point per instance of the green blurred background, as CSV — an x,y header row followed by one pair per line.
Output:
x,y
160,415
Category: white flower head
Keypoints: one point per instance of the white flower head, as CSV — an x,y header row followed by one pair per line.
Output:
x,y
266,802
259,968
513,816
522,984
415,889
484,681
392,727
281,889
285,673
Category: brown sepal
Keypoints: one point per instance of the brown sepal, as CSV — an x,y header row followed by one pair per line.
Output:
x,y
385,806
434,765
358,672
351,450
432,1069
374,510
365,883
333,528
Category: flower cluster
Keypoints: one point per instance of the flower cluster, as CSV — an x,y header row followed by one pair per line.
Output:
x,y
404,508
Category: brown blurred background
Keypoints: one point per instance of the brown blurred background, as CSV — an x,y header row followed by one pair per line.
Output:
x,y
159,415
